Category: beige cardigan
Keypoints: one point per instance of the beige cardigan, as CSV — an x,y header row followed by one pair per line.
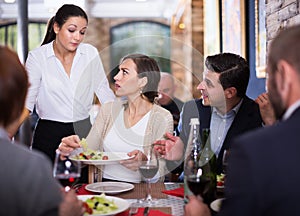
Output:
x,y
160,122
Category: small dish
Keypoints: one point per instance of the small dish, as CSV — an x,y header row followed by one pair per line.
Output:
x,y
109,187
216,204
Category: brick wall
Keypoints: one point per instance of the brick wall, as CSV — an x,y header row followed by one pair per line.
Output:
x,y
279,15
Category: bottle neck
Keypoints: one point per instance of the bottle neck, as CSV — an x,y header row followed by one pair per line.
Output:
x,y
207,153
194,141
206,138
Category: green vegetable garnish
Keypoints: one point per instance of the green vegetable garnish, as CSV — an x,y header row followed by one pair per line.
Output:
x,y
101,205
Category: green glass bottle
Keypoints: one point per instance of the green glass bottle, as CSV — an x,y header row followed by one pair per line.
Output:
x,y
208,165
192,155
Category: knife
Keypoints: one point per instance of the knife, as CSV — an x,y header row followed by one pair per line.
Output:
x,y
146,211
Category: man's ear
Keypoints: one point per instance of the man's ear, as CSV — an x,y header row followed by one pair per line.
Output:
x,y
230,92
284,78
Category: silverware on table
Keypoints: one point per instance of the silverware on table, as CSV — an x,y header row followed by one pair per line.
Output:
x,y
146,211
133,210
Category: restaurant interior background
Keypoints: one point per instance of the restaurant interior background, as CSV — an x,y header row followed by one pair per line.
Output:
x,y
179,34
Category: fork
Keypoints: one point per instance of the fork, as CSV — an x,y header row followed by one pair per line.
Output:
x,y
133,210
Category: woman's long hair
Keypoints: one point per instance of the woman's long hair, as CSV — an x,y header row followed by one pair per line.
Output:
x,y
62,15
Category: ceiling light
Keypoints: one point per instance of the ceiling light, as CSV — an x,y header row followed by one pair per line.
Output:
x,y
9,1
181,26
55,4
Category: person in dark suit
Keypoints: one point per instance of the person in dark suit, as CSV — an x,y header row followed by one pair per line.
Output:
x,y
262,172
223,107
167,100
166,97
27,185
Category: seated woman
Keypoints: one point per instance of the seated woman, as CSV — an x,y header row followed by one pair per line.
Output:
x,y
130,125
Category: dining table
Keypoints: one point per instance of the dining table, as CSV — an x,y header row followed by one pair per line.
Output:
x,y
165,203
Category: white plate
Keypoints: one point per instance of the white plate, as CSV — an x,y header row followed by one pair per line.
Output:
x,y
121,203
109,187
220,186
113,158
216,204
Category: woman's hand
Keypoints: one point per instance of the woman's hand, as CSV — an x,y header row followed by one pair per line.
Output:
x,y
133,163
171,148
69,144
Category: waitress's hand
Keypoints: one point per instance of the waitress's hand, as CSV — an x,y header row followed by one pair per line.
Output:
x,y
69,144
133,163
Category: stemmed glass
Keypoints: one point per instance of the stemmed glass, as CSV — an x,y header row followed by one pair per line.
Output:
x,y
148,167
66,171
197,182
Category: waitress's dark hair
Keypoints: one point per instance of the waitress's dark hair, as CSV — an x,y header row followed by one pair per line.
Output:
x,y
62,15
146,67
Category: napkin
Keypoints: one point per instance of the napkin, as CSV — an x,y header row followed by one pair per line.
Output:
x,y
82,191
179,192
152,212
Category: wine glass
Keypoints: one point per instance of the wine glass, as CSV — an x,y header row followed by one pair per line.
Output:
x,y
148,167
66,171
198,183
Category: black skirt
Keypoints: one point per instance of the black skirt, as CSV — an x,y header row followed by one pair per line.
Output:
x,y
48,134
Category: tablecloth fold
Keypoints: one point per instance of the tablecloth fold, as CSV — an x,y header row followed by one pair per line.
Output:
x,y
179,192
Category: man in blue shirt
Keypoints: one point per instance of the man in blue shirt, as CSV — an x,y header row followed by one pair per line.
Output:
x,y
224,107
263,166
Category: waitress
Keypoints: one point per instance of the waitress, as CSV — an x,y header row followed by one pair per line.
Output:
x,y
64,76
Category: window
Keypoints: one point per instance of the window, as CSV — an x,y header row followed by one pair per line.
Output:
x,y
8,34
145,37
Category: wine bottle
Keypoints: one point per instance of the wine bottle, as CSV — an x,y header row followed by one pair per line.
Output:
x,y
208,164
192,154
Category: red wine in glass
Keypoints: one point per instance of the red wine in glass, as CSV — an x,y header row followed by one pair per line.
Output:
x,y
68,180
66,171
198,184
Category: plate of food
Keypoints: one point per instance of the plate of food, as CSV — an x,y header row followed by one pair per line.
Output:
x,y
109,187
216,204
102,205
220,180
93,157
100,158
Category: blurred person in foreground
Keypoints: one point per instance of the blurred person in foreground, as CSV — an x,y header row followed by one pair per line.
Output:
x,y
130,125
224,107
262,173
27,185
